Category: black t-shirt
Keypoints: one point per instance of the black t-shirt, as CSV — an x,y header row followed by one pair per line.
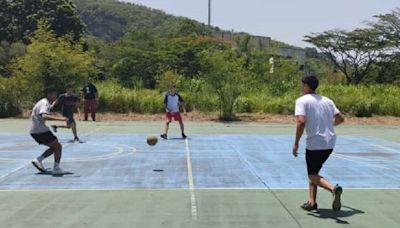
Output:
x,y
89,91
68,102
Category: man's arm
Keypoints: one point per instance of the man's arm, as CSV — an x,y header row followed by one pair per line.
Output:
x,y
165,103
50,117
338,119
96,92
182,103
54,104
300,125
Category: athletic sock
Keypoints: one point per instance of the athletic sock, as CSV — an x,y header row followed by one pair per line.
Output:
x,y
40,158
56,165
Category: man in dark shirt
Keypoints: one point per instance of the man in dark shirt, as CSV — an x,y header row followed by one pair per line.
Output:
x,y
89,94
68,102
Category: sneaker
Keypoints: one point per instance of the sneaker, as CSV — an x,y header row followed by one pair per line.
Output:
x,y
57,171
164,136
54,127
76,139
337,192
308,207
184,136
38,165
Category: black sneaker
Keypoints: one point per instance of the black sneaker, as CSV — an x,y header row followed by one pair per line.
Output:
x,y
54,127
184,136
337,192
164,136
308,207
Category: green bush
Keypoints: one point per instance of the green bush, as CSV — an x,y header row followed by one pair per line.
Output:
x,y
9,104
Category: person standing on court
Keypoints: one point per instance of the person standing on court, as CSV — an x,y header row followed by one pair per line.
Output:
x,y
42,134
90,95
317,115
68,101
172,102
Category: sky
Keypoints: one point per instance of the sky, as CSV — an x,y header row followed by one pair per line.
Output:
x,y
284,20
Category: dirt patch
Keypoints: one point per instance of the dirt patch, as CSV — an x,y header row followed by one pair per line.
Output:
x,y
242,117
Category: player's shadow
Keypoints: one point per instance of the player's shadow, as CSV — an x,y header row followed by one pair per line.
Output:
x,y
337,216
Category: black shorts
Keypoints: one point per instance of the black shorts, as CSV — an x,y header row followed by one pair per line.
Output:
x,y
70,118
315,159
44,138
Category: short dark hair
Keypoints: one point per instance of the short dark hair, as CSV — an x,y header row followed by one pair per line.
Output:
x,y
49,89
311,81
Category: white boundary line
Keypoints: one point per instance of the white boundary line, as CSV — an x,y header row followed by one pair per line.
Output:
x,y
193,203
172,189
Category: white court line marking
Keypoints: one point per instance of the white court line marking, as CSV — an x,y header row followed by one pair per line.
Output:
x,y
191,182
171,189
344,157
387,148
22,167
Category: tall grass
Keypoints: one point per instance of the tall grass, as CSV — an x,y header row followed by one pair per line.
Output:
x,y
360,101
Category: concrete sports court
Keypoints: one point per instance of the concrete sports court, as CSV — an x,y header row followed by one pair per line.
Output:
x,y
224,175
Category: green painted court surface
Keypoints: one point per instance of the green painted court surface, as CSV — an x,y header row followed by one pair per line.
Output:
x,y
226,175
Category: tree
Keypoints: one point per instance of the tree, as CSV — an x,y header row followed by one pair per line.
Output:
x,y
388,25
227,77
352,53
139,68
18,18
7,53
51,61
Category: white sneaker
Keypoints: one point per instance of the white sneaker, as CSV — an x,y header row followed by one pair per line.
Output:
x,y
38,165
57,171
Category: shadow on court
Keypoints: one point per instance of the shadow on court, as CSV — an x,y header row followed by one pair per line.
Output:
x,y
338,217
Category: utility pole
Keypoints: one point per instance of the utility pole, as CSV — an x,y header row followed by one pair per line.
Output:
x,y
209,12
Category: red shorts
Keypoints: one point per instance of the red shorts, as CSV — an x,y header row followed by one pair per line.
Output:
x,y
175,115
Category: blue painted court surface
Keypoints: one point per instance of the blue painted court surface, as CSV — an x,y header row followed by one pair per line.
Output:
x,y
113,161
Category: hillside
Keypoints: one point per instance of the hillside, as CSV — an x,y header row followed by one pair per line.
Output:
x,y
110,19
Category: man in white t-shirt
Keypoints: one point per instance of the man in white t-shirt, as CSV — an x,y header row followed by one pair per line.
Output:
x,y
172,103
42,134
317,115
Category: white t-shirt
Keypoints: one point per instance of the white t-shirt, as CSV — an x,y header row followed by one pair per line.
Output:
x,y
38,123
319,112
172,102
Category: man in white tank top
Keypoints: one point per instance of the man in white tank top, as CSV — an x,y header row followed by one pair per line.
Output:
x,y
317,115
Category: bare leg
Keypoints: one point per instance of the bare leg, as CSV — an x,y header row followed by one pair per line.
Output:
x,y
73,126
322,182
47,153
313,193
167,127
56,149
182,127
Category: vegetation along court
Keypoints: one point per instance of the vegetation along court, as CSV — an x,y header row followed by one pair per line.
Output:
x,y
134,53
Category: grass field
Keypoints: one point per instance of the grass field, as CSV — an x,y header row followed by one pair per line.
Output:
x,y
225,175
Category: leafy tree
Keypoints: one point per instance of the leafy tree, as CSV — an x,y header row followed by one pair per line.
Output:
x,y
18,18
7,53
388,26
184,53
352,53
139,68
227,77
51,61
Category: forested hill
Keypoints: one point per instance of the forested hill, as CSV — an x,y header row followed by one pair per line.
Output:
x,y
111,19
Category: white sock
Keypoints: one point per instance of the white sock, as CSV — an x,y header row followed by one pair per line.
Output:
x,y
56,165
40,158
